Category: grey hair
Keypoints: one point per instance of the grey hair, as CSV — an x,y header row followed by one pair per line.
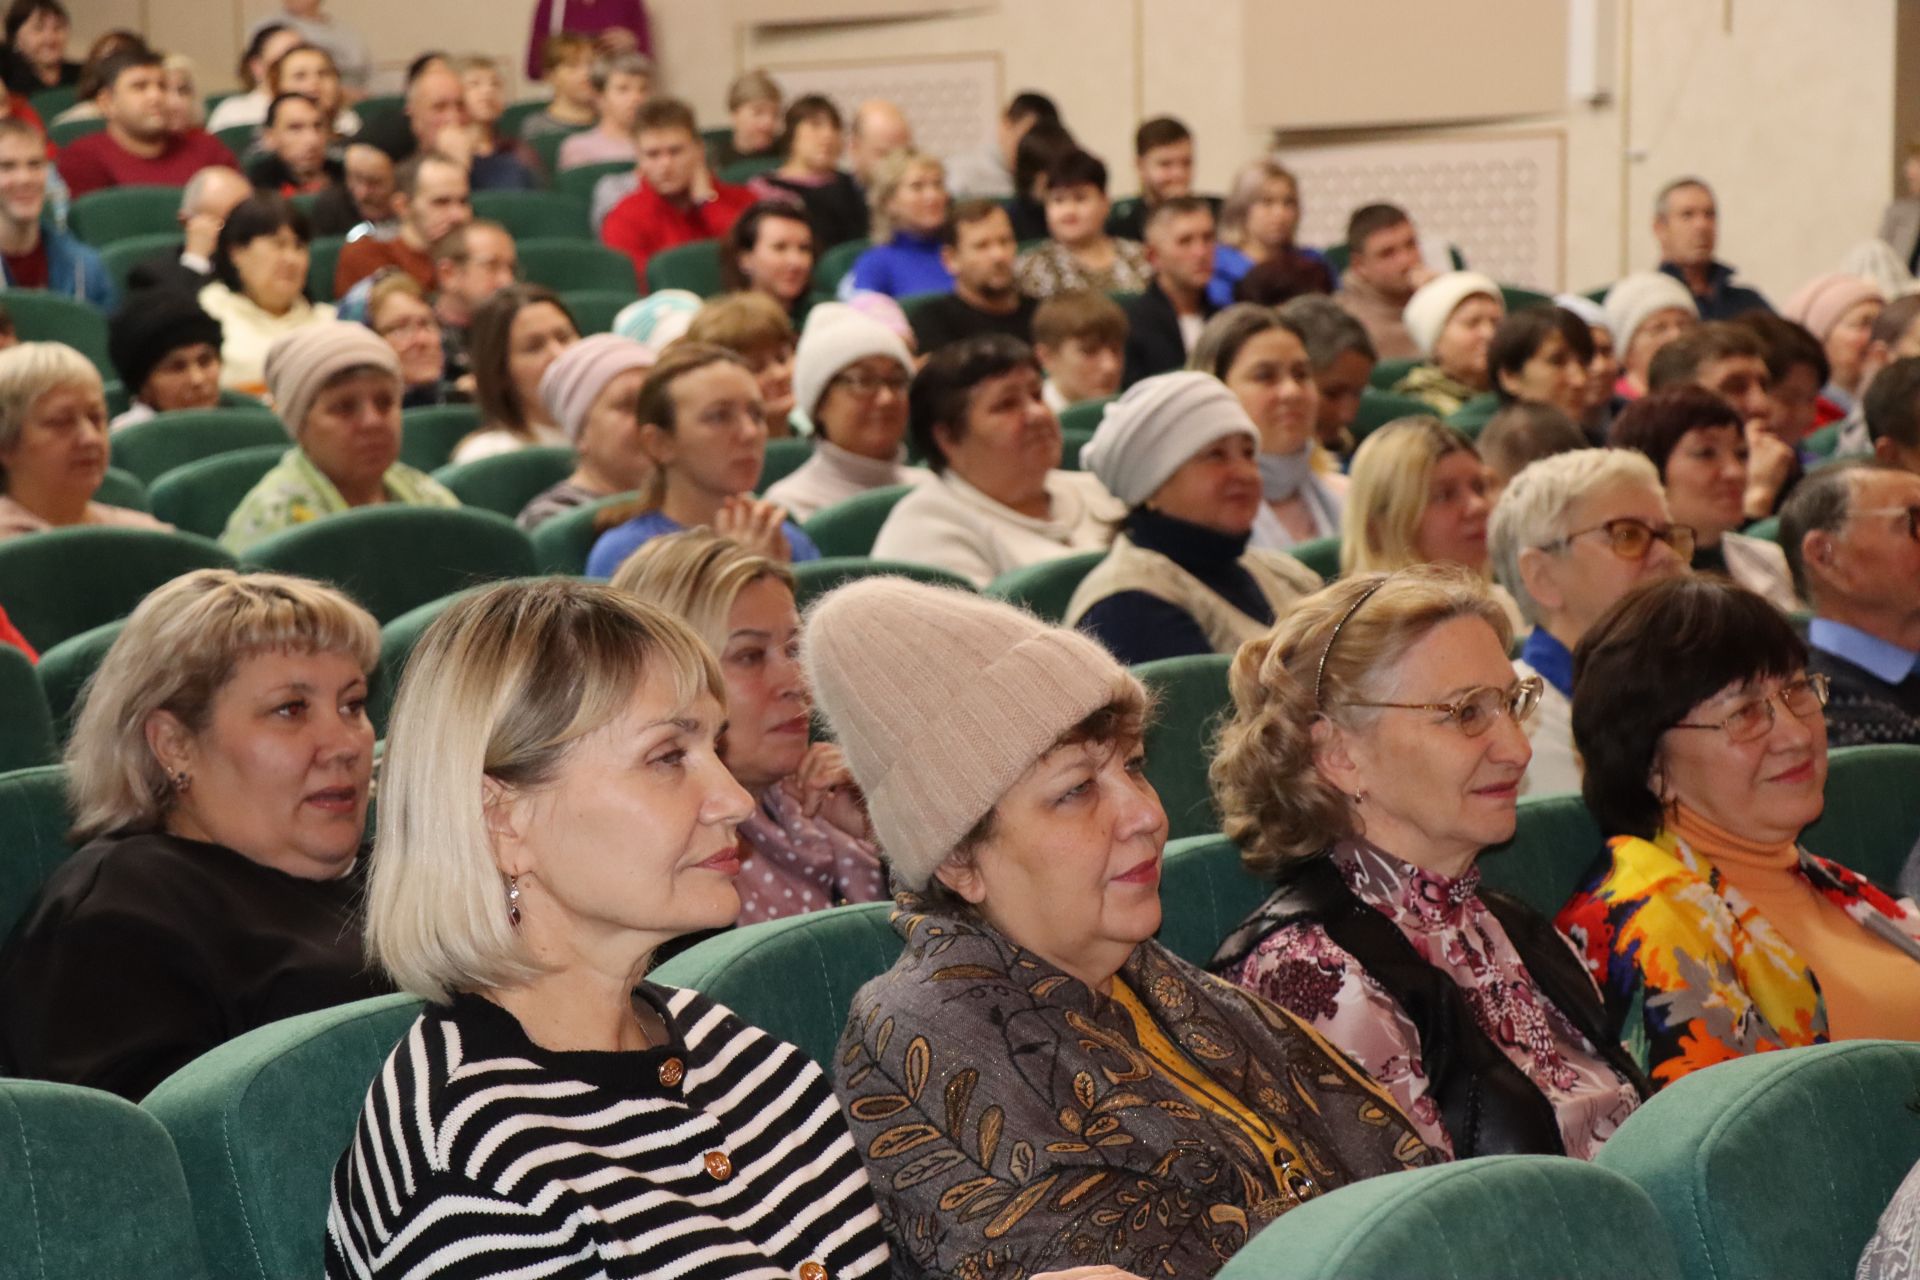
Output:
x,y
1822,501
1678,184
1328,331
1533,508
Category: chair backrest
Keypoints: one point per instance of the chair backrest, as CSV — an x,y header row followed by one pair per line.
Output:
x,y
152,448
694,266
516,113
849,528
1767,529
1493,1218
40,573
394,558
33,836
563,543
259,1123
1708,1149
784,457
1555,841
1519,298
1086,415
1387,373
546,147
48,103
741,172
535,215
122,256
101,217
793,978
563,264
39,316
593,310
1471,418
1193,704
507,482
1378,408
1823,442
1204,893
1322,555
1071,443
65,669
199,496
90,1186
1047,587
122,489
26,725
579,181
1871,824
238,138
323,255
397,640
814,578
428,435
836,262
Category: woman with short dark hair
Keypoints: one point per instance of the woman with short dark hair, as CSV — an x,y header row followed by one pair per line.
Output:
x,y
810,179
259,288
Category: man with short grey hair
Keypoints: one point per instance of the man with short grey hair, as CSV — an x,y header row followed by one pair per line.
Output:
x,y
1686,223
1342,356
209,196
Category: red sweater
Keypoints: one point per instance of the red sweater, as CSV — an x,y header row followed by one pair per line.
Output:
x,y
643,224
96,162
9,634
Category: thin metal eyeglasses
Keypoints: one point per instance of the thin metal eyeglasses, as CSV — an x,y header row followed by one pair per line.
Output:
x,y
1474,711
1632,539
1803,697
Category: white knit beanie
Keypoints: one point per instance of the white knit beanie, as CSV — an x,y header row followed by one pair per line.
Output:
x,y
941,700
1150,432
1586,308
837,335
1633,299
1433,303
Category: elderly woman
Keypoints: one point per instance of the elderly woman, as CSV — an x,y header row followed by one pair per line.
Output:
x,y
754,327
998,500
53,443
1375,749
167,352
1839,311
1181,578
703,428
1698,443
219,775
516,334
258,294
555,1110
1262,358
1570,535
809,844
851,376
908,202
1645,311
1451,319
1706,756
336,387
592,391
1540,355
1036,1081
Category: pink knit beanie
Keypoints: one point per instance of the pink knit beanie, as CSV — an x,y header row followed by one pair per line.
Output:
x,y
941,699
577,377
1823,300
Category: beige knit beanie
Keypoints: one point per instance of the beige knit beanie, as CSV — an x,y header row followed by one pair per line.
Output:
x,y
303,361
941,699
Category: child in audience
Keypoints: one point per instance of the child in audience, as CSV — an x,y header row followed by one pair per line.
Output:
x,y
566,68
753,108
621,83
1080,339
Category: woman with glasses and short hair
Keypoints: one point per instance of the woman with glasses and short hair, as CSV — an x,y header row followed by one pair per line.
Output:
x,y
1706,757
1376,748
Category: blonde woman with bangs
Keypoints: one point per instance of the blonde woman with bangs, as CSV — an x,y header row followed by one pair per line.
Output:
x,y
809,842
218,776
53,443
908,202
554,808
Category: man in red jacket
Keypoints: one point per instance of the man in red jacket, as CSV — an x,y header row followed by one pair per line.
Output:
x,y
135,147
678,201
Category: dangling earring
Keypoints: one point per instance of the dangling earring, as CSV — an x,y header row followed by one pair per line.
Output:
x,y
182,782
513,901
1359,798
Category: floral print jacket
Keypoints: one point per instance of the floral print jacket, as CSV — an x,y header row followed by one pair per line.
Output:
x,y
1014,1122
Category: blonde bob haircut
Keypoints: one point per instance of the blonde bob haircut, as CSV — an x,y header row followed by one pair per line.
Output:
x,y
1536,507
500,688
1275,804
177,651
1387,492
31,369
888,176
696,575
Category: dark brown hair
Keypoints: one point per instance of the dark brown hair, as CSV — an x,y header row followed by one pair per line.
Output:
x,y
490,342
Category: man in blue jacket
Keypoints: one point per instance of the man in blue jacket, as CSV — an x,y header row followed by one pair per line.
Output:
x,y
34,253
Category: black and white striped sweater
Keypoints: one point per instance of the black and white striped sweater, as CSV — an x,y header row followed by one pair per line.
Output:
x,y
720,1156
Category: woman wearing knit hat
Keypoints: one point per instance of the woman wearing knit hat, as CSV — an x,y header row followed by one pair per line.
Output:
x,y
850,379
1645,311
336,387
593,391
1179,450
167,351
1839,310
1603,370
1000,761
1451,319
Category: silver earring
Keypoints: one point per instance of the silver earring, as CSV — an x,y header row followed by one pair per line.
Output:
x,y
513,901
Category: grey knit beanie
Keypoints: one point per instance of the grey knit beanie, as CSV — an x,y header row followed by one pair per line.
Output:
x,y
941,699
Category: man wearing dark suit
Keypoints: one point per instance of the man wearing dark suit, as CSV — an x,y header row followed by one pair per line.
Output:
x,y
205,202
1163,322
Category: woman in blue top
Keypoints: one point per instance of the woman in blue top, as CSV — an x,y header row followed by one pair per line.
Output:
x,y
908,201
704,426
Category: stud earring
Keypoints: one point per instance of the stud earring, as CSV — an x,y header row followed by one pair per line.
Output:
x,y
182,782
513,901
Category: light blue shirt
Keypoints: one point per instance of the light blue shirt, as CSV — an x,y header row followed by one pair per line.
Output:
x,y
621,541
1879,658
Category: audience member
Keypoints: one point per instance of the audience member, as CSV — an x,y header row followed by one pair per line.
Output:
x,y
770,250
1730,361
264,46
53,443
363,198
1603,368
615,28
850,379
1384,268
1797,369
431,197
35,252
1540,355
205,202
879,129
704,428
336,387
87,87
1892,413
292,159
677,201
907,201
397,310
754,327
566,69
136,149
1852,537
219,776
1417,494
497,162
753,109
1078,254
471,263
809,174
394,132
621,85
1570,535
1045,144
998,500
345,48
977,249
1645,311
167,353
310,71
1840,312
1451,319
1257,226
258,291
987,174
1165,321
1706,757
664,316
516,335
1900,224
37,32
1466,1005
1519,434
1686,224
1163,162
438,122
1343,358
591,389
1080,340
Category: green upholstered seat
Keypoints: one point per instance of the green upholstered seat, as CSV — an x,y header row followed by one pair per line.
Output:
x,y
535,215
1204,893
1123,212
835,263
1518,298
1387,373
48,103
1084,416
741,172
381,106
428,434
814,578
65,669
1554,842
1471,418
1823,442
238,138
1047,587
580,180
39,316
506,482
122,489
397,640
849,528
516,114
1493,1218
1192,703
563,543
152,448
1322,555
547,147
26,725
1071,443
115,213
1767,529
122,256
793,978
1378,408
323,255
784,457
1871,824
562,264
694,266
200,496
39,573
394,558
593,310
1777,1164
90,1188
259,1123
33,836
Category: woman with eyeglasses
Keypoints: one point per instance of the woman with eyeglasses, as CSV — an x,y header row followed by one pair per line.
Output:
x,y
1706,756
1376,747
1571,534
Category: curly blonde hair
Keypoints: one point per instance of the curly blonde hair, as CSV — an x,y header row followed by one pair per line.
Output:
x,y
1275,803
